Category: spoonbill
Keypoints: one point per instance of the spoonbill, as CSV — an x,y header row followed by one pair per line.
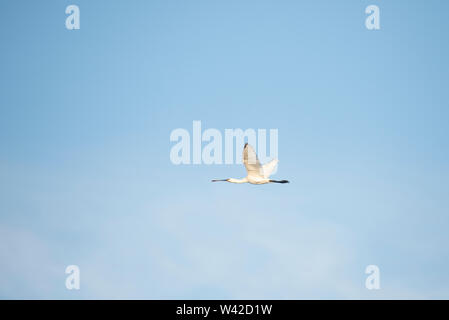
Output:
x,y
257,173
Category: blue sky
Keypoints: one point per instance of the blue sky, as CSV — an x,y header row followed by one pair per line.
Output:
x,y
86,178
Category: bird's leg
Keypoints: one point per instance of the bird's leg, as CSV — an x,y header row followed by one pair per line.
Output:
x,y
280,181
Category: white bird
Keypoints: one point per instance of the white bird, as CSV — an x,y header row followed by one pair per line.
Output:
x,y
257,173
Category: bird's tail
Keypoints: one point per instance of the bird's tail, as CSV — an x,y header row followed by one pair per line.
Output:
x,y
280,181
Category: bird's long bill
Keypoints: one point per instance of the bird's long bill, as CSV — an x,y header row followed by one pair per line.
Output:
x,y
215,180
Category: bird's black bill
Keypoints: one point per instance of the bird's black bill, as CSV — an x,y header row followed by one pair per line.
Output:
x,y
280,181
215,180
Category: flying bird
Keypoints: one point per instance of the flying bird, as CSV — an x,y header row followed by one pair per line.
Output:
x,y
257,173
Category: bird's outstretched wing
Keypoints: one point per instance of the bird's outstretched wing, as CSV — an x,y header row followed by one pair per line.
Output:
x,y
268,167
251,162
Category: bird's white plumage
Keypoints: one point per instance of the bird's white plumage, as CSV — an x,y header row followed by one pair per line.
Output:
x,y
251,162
268,167
257,173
